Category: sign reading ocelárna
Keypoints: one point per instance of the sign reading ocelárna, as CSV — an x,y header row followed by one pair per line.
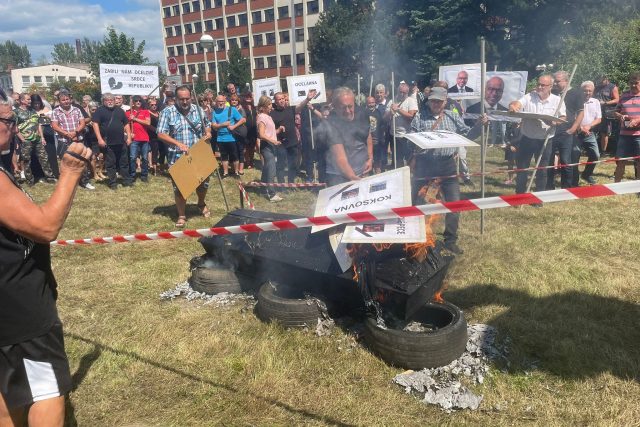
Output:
x,y
123,79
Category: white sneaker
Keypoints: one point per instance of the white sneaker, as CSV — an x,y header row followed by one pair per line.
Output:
x,y
88,186
275,198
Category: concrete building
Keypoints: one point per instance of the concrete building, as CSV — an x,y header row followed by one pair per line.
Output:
x,y
44,75
261,28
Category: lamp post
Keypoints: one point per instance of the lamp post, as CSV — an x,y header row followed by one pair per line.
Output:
x,y
207,42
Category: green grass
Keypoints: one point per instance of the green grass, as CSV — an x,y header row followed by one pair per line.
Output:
x,y
561,281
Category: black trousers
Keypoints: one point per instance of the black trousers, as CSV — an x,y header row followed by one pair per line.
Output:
x,y
117,160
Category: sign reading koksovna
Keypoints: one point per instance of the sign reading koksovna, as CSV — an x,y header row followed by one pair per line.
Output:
x,y
122,79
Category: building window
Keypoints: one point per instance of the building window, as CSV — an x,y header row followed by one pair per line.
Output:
x,y
271,38
221,45
244,42
167,12
169,31
176,10
283,12
208,24
257,40
285,60
242,19
212,67
312,7
230,2
182,70
231,21
49,79
233,42
199,48
207,4
177,30
171,51
72,79
269,15
195,6
37,79
187,28
298,9
197,27
192,69
285,36
299,34
272,62
83,79
258,63
300,59
219,23
189,49
201,67
218,3
256,17
180,50
186,8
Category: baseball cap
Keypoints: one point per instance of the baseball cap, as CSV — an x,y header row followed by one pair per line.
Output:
x,y
438,93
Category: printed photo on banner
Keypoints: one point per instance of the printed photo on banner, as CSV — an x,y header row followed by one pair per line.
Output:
x,y
501,88
299,86
121,79
463,80
265,87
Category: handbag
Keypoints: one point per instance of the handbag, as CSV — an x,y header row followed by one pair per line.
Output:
x,y
240,131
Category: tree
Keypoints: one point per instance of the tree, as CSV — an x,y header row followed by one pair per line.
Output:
x,y
238,70
64,53
118,49
14,56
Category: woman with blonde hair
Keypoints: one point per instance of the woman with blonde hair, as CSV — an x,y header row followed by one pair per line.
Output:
x,y
268,135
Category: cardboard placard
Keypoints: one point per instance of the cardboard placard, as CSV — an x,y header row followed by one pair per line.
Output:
x,y
192,168
265,87
299,86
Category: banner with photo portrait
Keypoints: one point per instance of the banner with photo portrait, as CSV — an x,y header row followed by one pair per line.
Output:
x,y
122,79
463,80
501,88
265,87
299,86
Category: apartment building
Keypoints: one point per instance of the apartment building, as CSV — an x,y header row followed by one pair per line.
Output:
x,y
45,75
261,28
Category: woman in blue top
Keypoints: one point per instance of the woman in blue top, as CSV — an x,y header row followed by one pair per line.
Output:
x,y
224,120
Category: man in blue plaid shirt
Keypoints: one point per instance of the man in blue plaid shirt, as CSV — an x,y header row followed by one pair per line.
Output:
x,y
181,126
442,161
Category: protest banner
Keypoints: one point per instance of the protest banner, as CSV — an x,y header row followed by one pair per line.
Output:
x,y
470,83
265,87
501,88
122,79
192,168
299,87
439,139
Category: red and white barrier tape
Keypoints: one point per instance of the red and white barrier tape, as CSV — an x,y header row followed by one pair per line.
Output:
x,y
380,214
245,196
284,185
560,166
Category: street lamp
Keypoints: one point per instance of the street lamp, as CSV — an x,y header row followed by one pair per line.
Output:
x,y
207,42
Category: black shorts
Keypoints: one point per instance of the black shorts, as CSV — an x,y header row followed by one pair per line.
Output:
x,y
34,370
228,151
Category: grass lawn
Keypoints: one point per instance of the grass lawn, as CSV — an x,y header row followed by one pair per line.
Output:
x,y
561,282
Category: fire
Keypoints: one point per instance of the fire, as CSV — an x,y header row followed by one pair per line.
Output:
x,y
419,251
437,297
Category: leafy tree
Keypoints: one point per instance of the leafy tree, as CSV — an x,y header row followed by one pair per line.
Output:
x,y
42,60
14,56
238,70
89,51
118,49
64,53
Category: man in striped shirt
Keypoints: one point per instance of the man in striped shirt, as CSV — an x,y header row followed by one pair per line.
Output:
x,y
442,161
628,112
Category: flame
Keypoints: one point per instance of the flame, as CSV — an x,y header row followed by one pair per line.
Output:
x,y
419,251
437,297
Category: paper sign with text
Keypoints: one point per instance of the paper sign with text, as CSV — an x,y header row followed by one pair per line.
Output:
x,y
299,87
265,87
121,79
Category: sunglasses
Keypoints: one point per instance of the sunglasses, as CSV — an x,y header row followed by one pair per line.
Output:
x,y
10,122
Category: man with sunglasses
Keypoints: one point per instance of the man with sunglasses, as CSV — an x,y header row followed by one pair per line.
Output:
x,y
534,131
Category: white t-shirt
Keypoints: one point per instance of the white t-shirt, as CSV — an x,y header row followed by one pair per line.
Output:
x,y
403,124
531,103
592,111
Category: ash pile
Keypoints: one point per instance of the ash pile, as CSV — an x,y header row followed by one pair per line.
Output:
x,y
184,290
443,386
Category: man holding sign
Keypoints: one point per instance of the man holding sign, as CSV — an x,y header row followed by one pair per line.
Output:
x,y
181,126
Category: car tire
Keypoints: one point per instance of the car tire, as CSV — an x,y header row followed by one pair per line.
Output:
x,y
213,281
287,306
417,350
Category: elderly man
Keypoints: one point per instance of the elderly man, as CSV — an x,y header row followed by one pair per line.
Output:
x,y
347,137
404,110
181,126
590,122
565,141
534,131
461,83
628,112
442,161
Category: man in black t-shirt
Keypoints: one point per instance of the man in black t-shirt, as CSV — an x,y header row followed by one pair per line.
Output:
x,y
110,126
565,143
287,152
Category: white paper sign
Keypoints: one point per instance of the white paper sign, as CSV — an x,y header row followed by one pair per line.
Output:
x,y
439,139
265,87
299,86
120,79
450,74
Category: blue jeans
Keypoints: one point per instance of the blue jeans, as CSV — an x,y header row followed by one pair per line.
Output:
x,y
590,146
287,159
564,146
142,148
268,152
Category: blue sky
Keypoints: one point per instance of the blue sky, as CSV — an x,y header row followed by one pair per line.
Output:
x,y
42,23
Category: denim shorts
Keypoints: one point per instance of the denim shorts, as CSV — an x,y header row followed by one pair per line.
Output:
x,y
628,146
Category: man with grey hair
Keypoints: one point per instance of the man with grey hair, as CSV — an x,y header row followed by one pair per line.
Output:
x,y
590,121
403,109
382,104
347,138
461,83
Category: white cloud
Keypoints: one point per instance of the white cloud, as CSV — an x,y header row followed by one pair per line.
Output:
x,y
41,23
